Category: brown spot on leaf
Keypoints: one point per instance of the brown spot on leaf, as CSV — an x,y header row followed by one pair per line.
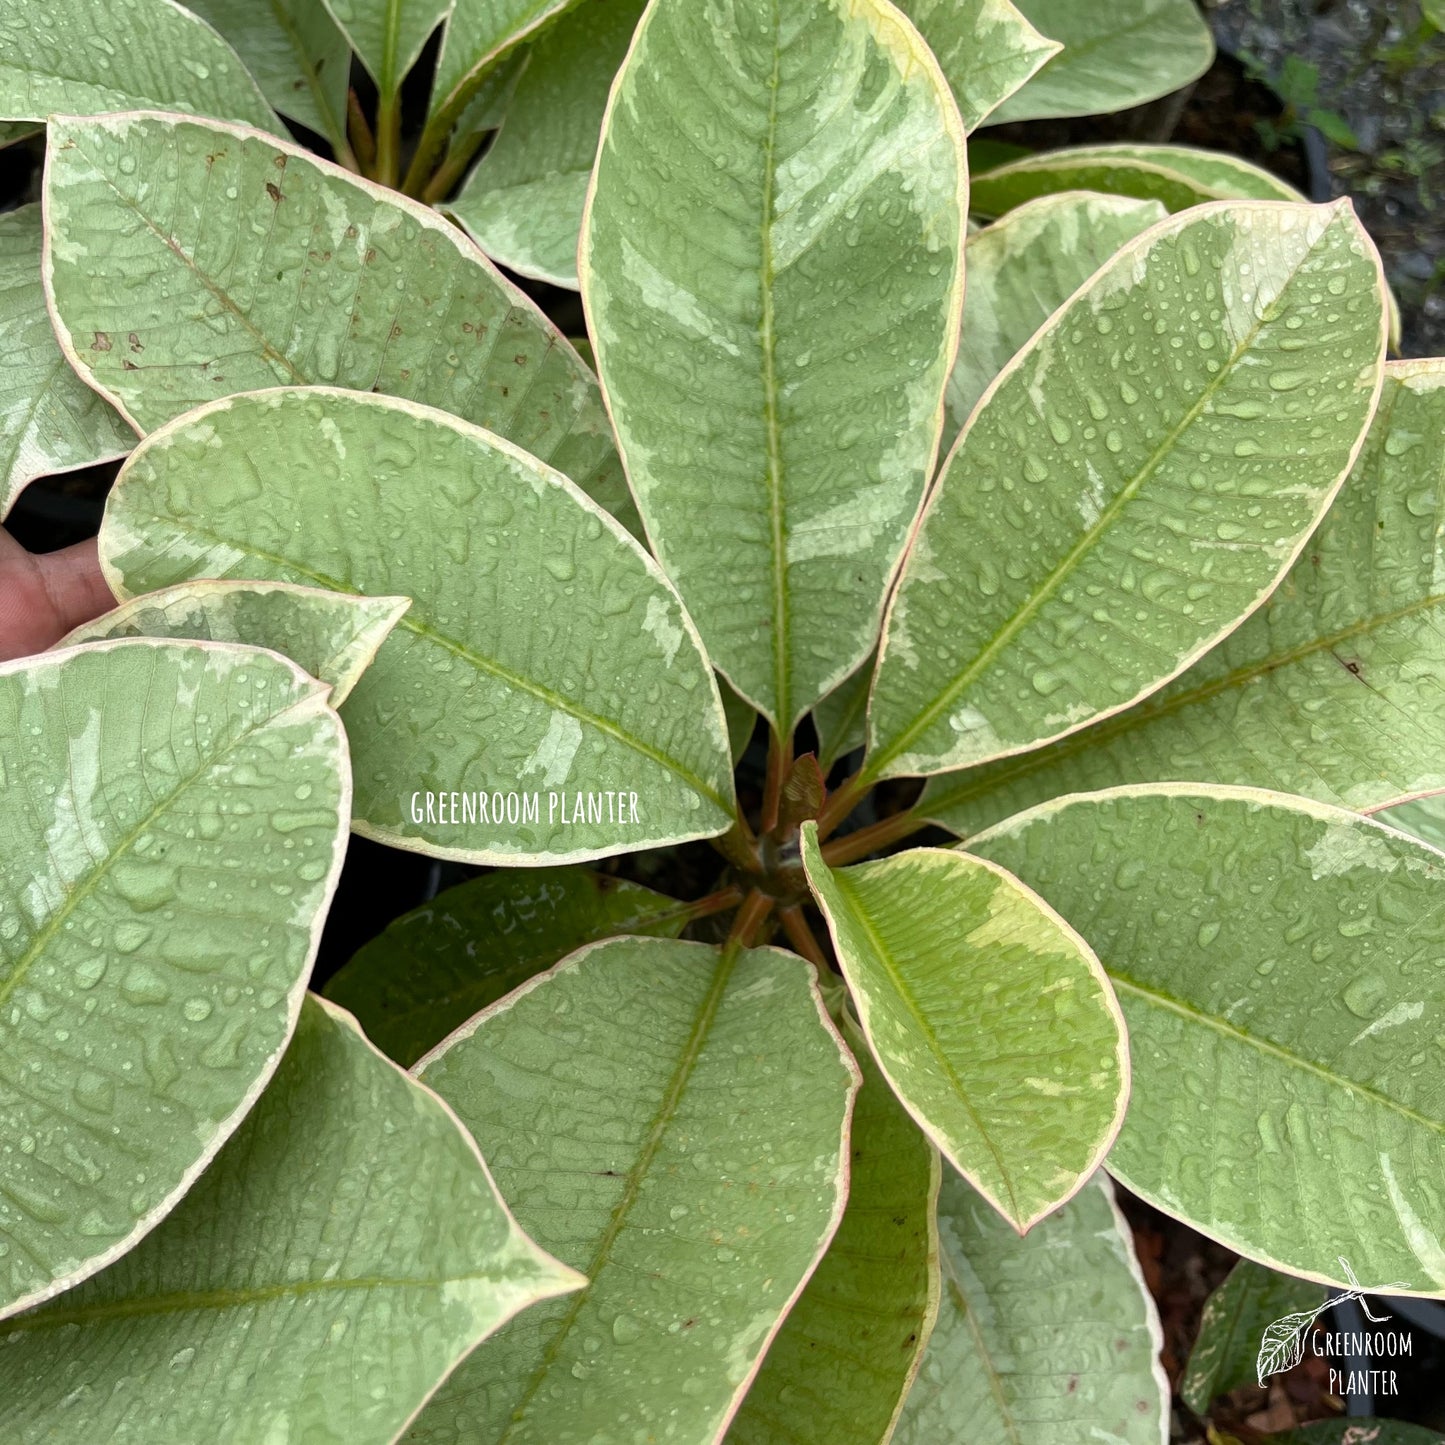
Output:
x,y
101,342
274,191
126,364
520,360
278,160
135,342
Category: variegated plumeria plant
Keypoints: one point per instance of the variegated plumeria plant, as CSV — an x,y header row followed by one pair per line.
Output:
x,y
1161,630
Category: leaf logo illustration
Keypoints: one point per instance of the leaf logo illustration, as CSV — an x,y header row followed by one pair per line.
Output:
x,y
1283,1345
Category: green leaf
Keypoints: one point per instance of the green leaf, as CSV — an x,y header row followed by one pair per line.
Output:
x,y
1176,176
741,718
1115,55
75,55
1235,1318
487,109
672,1119
344,1251
1332,689
429,971
1115,508
544,656
851,1345
49,420
1020,271
299,58
140,844
986,49
481,32
1423,819
1048,1340
784,243
1280,967
12,131
523,202
1359,1431
388,35
331,635
840,718
332,281
989,1016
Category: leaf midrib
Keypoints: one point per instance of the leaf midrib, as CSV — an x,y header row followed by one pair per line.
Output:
x,y
298,377
632,1185
411,622
335,130
187,1301
777,522
873,766
1150,712
850,896
983,1353
1159,999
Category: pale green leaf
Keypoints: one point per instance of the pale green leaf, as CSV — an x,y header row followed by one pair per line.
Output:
x,y
671,1119
1281,964
851,1345
481,32
79,56
986,49
1048,1340
1332,689
1359,1431
1117,53
387,35
544,656
1020,271
190,261
840,718
989,1015
1424,819
429,971
742,720
332,635
140,844
1117,504
523,202
297,55
344,1251
1177,177
50,421
1235,1318
771,267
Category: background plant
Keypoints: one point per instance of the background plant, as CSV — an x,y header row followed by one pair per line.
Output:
x,y
1161,630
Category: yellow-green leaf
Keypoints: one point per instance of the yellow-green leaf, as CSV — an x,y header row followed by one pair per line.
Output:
x,y
989,1015
772,272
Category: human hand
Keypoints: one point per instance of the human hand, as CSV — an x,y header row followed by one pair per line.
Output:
x,y
43,596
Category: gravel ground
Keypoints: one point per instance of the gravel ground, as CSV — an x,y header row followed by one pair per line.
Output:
x,y
1378,71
